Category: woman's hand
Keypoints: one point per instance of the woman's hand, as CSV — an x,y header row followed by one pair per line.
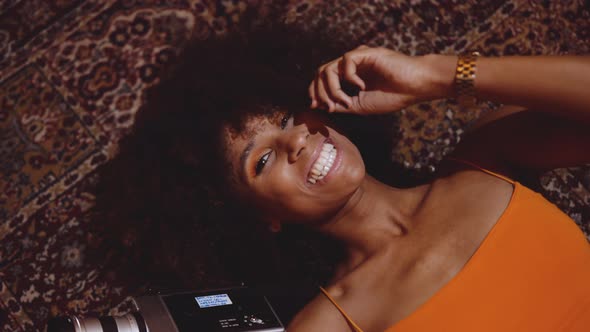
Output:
x,y
388,81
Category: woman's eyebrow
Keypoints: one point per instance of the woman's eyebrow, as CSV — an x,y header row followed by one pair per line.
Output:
x,y
245,154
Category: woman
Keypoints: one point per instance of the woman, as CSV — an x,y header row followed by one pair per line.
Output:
x,y
417,256
471,250
459,253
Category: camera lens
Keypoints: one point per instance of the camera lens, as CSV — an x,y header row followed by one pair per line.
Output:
x,y
132,322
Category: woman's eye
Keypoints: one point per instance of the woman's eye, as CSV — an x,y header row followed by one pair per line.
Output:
x,y
262,162
285,120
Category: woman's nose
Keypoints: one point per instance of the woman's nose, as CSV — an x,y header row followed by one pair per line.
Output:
x,y
296,142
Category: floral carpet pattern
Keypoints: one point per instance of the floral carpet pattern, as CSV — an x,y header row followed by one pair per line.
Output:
x,y
73,73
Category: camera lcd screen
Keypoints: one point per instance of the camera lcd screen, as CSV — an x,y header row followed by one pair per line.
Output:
x,y
213,300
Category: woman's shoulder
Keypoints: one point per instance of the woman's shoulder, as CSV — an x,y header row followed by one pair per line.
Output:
x,y
357,292
318,315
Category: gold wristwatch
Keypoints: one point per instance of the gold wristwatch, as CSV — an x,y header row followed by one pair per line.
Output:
x,y
465,79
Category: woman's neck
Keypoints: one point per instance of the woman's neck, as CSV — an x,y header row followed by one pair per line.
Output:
x,y
374,216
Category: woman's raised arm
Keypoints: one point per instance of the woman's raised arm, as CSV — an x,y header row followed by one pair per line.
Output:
x,y
554,84
389,81
558,86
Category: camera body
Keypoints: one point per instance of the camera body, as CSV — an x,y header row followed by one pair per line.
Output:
x,y
222,310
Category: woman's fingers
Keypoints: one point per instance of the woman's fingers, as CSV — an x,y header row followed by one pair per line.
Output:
x,y
350,74
322,93
355,107
312,94
332,76
326,88
375,102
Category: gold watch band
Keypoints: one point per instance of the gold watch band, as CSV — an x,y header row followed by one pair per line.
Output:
x,y
465,79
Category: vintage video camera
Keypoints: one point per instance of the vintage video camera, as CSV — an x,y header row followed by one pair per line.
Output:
x,y
225,310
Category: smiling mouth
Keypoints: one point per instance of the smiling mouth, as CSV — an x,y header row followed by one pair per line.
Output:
x,y
323,164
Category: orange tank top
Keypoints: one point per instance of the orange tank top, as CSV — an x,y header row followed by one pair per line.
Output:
x,y
530,273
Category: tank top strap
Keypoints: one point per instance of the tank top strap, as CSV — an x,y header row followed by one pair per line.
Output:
x,y
349,320
500,176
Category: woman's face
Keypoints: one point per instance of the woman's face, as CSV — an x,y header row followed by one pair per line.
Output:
x,y
294,168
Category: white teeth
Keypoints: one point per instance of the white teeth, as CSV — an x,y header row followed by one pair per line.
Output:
x,y
323,164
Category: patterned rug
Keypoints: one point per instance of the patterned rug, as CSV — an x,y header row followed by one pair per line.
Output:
x,y
73,73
